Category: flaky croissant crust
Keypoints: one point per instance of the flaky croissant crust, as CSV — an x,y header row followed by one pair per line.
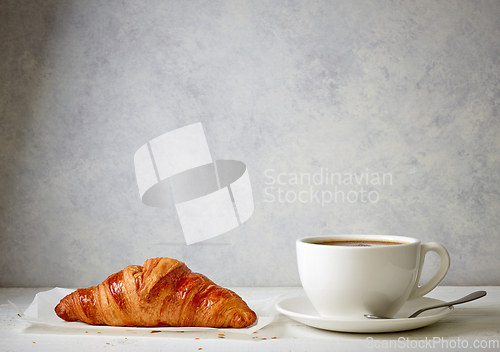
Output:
x,y
162,292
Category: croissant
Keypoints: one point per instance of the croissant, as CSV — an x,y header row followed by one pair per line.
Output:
x,y
163,292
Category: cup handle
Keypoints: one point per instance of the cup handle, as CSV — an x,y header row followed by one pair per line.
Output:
x,y
444,265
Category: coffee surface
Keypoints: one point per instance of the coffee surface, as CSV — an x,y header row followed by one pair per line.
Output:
x,y
359,243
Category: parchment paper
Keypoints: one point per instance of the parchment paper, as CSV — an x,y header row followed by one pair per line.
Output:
x,y
41,312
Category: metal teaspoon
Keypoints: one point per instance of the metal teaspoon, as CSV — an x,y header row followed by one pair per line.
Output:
x,y
468,298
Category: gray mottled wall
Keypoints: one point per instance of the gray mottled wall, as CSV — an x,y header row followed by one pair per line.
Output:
x,y
408,90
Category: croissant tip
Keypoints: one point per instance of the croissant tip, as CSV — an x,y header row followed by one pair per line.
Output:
x,y
61,312
243,319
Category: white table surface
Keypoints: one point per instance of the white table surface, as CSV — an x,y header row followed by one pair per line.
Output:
x,y
471,325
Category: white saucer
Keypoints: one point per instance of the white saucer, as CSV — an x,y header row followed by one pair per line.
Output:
x,y
300,309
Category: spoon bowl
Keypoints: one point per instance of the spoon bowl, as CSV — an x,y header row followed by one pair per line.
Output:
x,y
470,297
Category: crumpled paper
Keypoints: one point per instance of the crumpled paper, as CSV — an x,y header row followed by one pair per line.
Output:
x,y
41,312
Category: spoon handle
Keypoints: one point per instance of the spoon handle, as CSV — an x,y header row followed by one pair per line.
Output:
x,y
468,298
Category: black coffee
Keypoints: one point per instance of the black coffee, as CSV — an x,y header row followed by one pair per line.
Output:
x,y
359,243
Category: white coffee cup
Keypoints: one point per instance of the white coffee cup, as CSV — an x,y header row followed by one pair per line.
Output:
x,y
349,281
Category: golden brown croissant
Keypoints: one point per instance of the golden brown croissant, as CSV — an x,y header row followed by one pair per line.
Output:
x,y
163,292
